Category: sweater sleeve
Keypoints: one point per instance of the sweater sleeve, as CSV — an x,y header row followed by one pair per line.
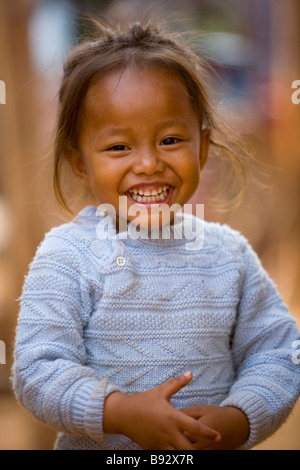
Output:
x,y
50,375
267,382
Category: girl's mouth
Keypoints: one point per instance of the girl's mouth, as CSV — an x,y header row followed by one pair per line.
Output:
x,y
149,195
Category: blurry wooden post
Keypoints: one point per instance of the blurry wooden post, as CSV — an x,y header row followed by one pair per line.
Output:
x,y
18,168
285,147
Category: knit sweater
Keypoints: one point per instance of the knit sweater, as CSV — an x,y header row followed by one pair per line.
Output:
x,y
102,312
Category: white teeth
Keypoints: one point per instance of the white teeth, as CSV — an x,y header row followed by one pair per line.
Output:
x,y
154,192
142,196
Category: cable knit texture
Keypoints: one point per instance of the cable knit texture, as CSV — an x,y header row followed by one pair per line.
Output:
x,y
105,313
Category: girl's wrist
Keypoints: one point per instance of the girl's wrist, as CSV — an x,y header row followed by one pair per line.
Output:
x,y
113,412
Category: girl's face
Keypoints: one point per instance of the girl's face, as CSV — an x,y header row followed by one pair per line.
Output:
x,y
139,138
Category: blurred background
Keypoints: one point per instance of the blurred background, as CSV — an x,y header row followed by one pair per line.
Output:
x,y
256,43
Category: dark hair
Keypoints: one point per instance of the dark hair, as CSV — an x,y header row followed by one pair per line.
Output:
x,y
117,46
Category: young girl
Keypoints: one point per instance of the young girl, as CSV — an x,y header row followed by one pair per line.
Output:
x,y
129,339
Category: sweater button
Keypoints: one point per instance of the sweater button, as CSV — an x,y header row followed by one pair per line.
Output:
x,y
121,261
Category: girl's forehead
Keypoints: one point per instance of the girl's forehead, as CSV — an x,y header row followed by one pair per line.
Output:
x,y
135,81
139,98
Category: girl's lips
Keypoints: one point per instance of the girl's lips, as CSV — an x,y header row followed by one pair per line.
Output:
x,y
151,203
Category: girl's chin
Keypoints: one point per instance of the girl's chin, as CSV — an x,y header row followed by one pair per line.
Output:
x,y
151,223
147,220
152,217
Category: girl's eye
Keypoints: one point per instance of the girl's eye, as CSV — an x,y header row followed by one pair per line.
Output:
x,y
170,141
119,148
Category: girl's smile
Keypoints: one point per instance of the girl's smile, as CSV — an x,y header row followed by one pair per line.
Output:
x,y
139,136
149,195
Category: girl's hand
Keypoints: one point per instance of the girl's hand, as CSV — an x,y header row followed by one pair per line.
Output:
x,y
232,424
150,420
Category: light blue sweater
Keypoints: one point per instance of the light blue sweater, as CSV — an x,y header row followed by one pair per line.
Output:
x,y
99,314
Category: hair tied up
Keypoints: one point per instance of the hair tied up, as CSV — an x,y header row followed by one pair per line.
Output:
x,y
138,34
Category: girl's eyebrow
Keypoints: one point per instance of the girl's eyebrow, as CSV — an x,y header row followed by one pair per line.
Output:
x,y
112,130
171,122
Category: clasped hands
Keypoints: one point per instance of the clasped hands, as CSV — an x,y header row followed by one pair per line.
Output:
x,y
149,419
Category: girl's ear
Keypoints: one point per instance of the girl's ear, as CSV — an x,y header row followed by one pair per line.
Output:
x,y
76,162
204,147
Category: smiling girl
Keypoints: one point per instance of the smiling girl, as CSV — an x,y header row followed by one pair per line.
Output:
x,y
141,343
147,145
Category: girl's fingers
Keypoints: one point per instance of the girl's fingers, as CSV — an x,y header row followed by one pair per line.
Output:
x,y
170,447
195,411
174,385
198,443
182,443
192,426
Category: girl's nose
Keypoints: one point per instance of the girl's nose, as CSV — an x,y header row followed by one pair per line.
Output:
x,y
147,161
